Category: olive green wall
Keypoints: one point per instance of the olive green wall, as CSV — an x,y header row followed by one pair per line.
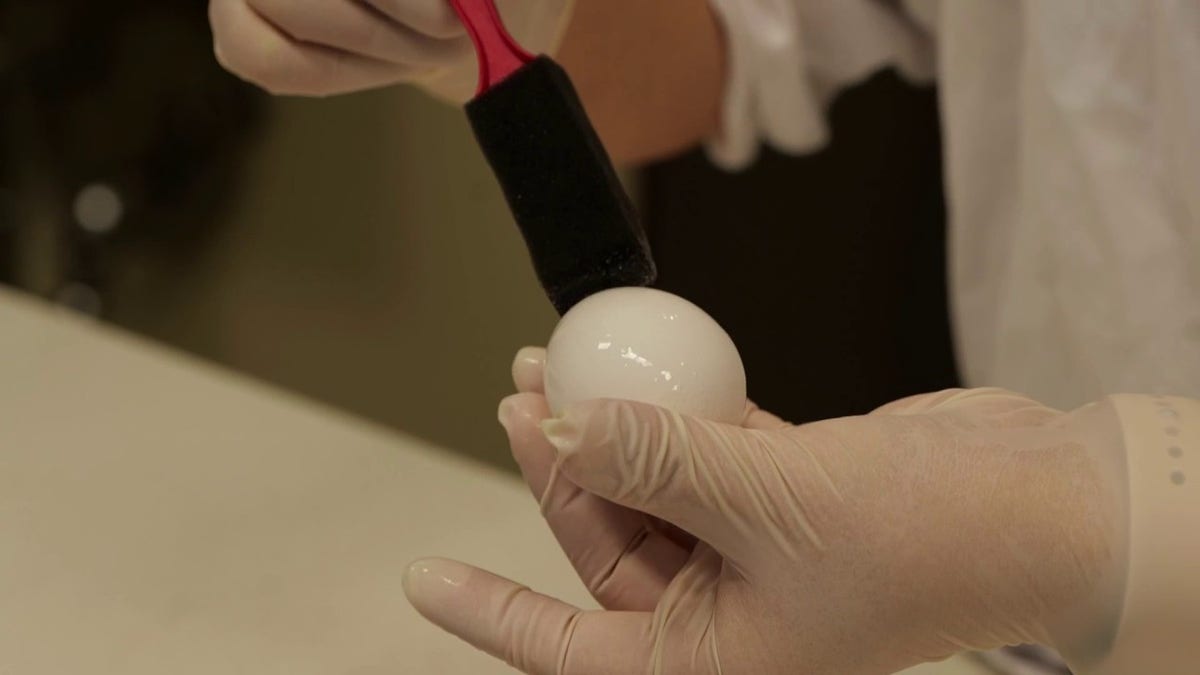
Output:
x,y
369,262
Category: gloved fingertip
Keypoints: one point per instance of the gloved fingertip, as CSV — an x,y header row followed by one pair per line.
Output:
x,y
531,355
415,569
565,431
430,582
527,368
505,413
562,434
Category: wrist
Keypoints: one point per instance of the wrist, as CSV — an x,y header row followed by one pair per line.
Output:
x,y
1086,626
1153,625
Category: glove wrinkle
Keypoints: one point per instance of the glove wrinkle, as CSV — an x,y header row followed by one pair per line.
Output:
x,y
687,611
599,585
798,512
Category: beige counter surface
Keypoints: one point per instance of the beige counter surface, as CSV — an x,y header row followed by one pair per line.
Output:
x,y
162,516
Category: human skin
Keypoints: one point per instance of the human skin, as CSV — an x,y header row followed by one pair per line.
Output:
x,y
651,74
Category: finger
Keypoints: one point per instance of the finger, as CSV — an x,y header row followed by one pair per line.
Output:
x,y
757,418
248,45
753,418
434,18
531,632
527,369
357,28
719,482
625,561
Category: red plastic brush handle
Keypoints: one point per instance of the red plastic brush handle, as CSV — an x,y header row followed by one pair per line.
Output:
x,y
499,54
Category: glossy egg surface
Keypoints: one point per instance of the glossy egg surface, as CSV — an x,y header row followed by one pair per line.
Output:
x,y
645,345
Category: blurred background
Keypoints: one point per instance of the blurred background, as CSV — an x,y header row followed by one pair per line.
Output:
x,y
356,250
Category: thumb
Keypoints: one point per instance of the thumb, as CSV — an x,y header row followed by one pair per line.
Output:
x,y
715,481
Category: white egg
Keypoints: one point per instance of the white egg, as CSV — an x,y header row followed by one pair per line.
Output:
x,y
645,345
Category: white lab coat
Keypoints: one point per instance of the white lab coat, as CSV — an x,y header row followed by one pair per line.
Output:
x,y
1072,141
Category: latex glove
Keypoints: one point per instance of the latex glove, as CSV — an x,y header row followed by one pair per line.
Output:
x,y
951,521
323,47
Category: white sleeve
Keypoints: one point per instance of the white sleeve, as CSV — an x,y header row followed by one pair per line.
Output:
x,y
788,58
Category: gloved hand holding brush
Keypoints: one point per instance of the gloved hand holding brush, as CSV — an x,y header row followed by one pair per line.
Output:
x,y
324,47
648,71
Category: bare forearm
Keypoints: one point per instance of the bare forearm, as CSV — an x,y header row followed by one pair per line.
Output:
x,y
651,74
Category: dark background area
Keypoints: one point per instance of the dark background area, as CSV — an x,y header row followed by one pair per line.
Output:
x,y
828,270
121,95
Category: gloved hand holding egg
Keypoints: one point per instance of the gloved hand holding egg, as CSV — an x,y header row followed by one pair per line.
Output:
x,y
964,519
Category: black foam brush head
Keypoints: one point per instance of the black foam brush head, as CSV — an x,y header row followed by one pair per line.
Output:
x,y
580,226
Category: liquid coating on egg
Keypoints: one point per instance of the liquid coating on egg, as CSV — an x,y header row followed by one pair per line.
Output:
x,y
645,345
